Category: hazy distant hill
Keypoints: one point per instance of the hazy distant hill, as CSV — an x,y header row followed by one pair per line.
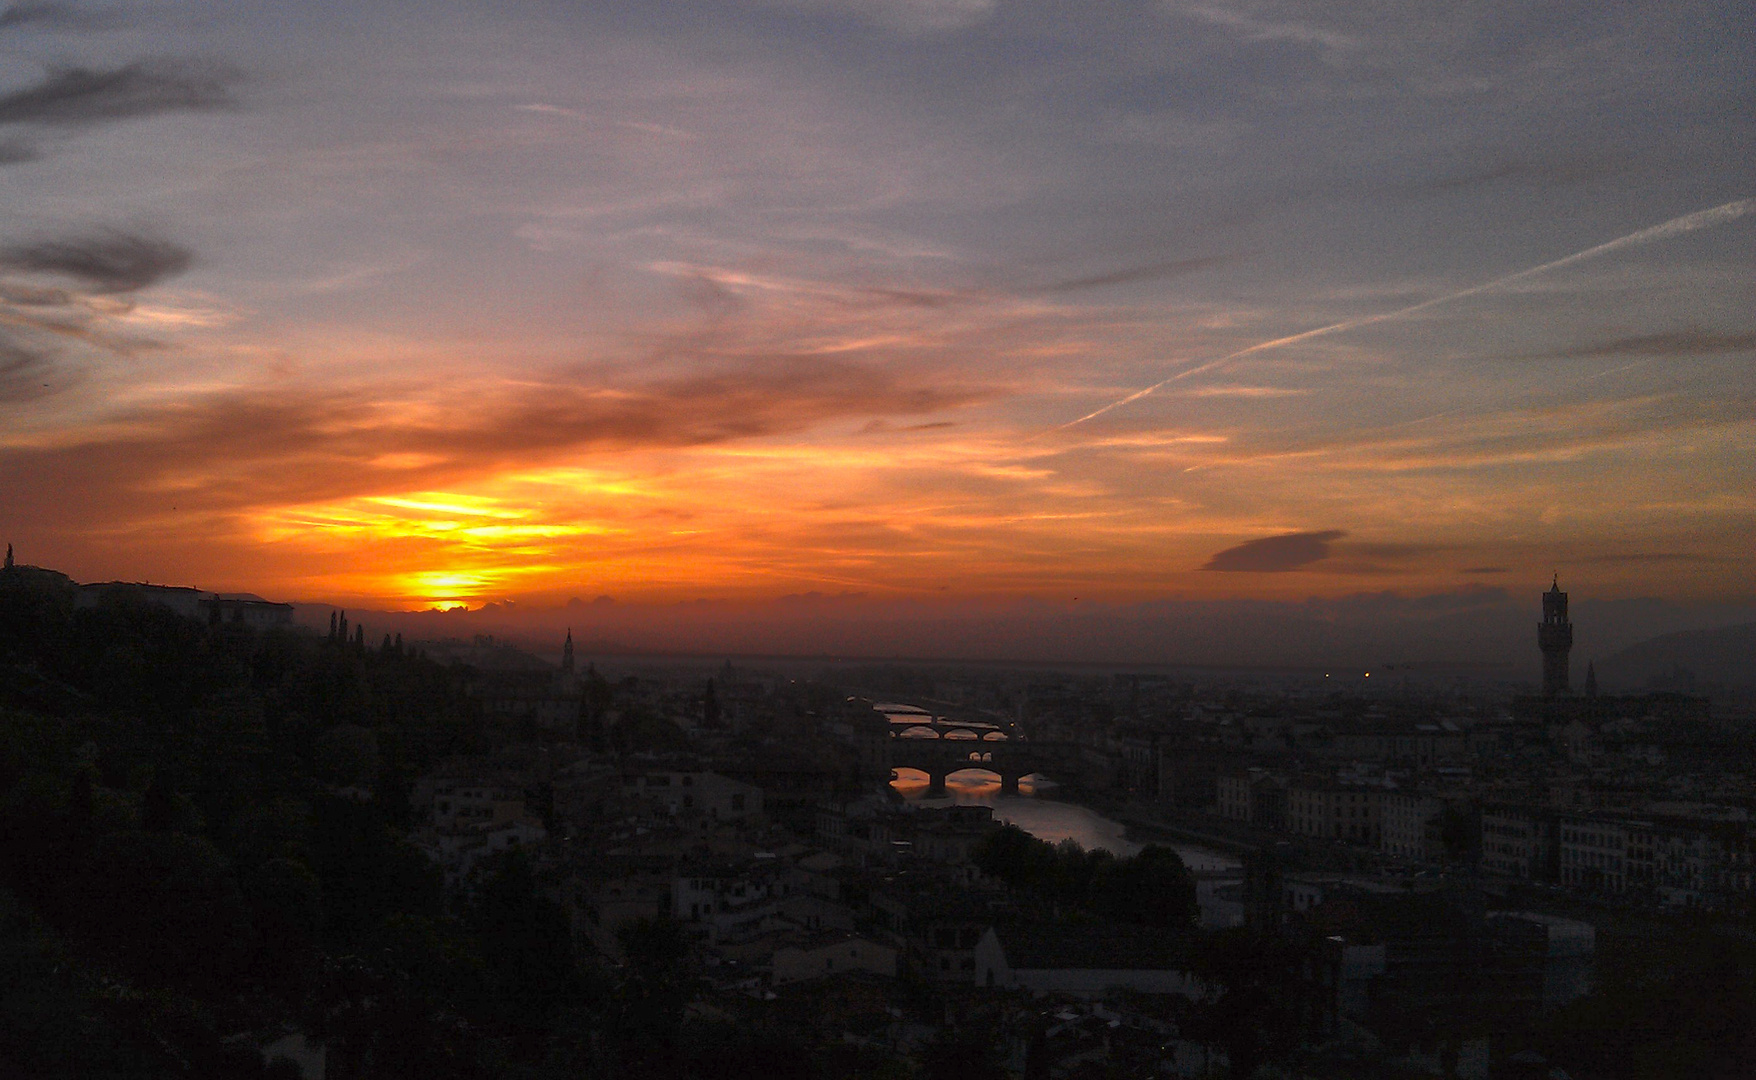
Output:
x,y
1724,656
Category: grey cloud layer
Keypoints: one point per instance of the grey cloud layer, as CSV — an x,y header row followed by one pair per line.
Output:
x,y
79,96
968,188
40,323
1158,271
1274,554
1669,343
106,262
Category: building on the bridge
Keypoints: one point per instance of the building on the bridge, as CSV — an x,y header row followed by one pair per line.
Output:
x,y
1010,760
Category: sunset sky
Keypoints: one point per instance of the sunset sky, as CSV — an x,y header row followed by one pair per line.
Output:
x,y
434,303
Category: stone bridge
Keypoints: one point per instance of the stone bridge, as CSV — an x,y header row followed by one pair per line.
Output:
x,y
1010,760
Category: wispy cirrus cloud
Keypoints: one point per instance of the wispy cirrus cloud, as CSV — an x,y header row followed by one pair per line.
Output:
x,y
1252,27
1243,391
906,16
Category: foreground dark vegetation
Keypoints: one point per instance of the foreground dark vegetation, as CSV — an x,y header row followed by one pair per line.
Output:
x,y
204,841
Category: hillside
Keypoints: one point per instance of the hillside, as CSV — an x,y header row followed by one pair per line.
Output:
x,y
1723,657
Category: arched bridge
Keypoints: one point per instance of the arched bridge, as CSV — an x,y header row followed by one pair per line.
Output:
x,y
1011,760
910,737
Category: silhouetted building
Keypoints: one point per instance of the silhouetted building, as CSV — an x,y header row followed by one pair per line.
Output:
x,y
1555,638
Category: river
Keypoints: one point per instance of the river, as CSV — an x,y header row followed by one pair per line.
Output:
x,y
1032,809
1044,817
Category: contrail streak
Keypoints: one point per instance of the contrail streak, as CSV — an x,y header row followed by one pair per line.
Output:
x,y
1701,219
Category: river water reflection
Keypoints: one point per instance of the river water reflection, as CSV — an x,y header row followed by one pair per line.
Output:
x,y
1036,812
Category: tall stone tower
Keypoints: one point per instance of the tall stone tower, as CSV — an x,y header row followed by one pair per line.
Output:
x,y
1555,638
567,653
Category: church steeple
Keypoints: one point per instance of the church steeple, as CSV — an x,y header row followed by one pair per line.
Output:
x,y
567,652
1590,679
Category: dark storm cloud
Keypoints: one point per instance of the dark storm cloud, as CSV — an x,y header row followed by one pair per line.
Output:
x,y
1672,343
109,262
1273,554
1157,271
79,96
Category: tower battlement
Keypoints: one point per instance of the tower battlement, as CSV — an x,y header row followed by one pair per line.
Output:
x,y
1555,639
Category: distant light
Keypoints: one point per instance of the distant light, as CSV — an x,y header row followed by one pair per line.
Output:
x,y
1368,674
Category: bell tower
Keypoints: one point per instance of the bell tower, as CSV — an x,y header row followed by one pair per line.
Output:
x,y
1555,638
